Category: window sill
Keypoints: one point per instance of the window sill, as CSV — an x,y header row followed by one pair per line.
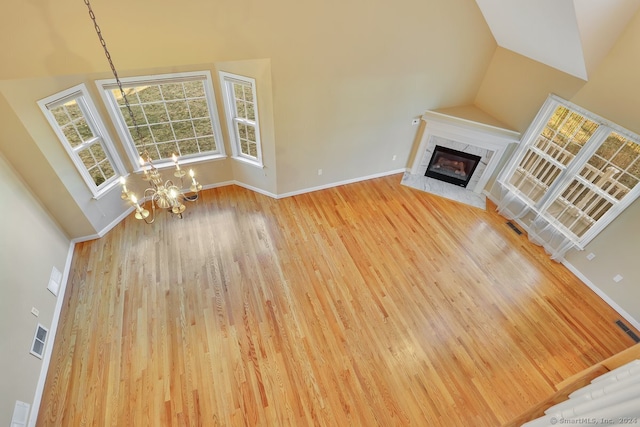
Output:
x,y
103,191
168,163
248,161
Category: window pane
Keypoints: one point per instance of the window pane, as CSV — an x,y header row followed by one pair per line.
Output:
x,y
156,113
628,181
84,130
137,114
207,144
96,175
86,158
98,153
72,135
203,127
131,94
198,108
73,110
238,91
248,93
162,132
251,115
107,170
149,93
172,91
194,89
242,130
634,169
188,147
60,114
183,130
244,146
627,154
167,150
178,110
253,149
241,110
251,133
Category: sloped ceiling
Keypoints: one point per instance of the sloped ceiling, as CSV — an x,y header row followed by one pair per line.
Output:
x,y
572,36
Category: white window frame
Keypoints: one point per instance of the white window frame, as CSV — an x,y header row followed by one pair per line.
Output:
x,y
229,98
571,171
90,114
106,86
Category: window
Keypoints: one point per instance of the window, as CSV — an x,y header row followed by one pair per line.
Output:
x,y
174,113
574,170
75,120
241,110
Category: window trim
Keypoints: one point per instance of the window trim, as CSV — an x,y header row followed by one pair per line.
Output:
x,y
226,81
81,94
571,171
106,85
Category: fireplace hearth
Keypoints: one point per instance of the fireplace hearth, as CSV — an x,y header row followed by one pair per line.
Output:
x,y
452,166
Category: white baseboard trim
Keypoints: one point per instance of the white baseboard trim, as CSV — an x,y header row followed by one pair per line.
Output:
x,y
339,183
606,298
106,229
601,294
46,360
121,217
255,189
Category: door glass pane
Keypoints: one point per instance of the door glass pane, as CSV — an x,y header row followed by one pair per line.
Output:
x,y
563,136
605,179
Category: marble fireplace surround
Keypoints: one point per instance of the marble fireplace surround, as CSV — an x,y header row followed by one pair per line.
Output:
x,y
465,129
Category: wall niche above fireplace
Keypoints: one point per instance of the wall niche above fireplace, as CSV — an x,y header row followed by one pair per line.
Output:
x,y
470,141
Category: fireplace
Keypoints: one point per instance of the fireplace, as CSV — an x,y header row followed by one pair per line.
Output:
x,y
452,166
445,134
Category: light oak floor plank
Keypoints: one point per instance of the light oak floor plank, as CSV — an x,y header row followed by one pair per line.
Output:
x,y
362,305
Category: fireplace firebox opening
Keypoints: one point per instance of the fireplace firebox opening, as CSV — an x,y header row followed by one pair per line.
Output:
x,y
452,166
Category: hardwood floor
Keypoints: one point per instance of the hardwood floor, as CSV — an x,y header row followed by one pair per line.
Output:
x,y
369,304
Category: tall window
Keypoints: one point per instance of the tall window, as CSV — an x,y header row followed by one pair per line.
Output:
x,y
575,170
74,118
241,110
174,113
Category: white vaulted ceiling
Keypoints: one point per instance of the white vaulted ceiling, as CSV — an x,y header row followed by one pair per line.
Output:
x,y
570,35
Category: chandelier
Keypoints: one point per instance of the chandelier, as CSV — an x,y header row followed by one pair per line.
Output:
x,y
160,193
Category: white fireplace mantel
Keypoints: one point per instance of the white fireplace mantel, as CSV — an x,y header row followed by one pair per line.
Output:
x,y
465,129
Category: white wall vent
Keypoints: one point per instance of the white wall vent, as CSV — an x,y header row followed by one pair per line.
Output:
x,y
20,414
39,340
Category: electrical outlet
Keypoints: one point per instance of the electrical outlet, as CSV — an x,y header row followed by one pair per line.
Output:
x,y
319,171
35,311
394,157
415,122
617,278
591,256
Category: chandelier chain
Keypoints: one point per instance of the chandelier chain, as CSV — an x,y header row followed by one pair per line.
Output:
x,y
115,74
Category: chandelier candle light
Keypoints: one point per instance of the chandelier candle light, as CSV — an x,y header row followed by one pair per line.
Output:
x,y
160,193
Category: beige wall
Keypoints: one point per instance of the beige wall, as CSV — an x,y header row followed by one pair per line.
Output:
x,y
515,87
338,85
31,244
